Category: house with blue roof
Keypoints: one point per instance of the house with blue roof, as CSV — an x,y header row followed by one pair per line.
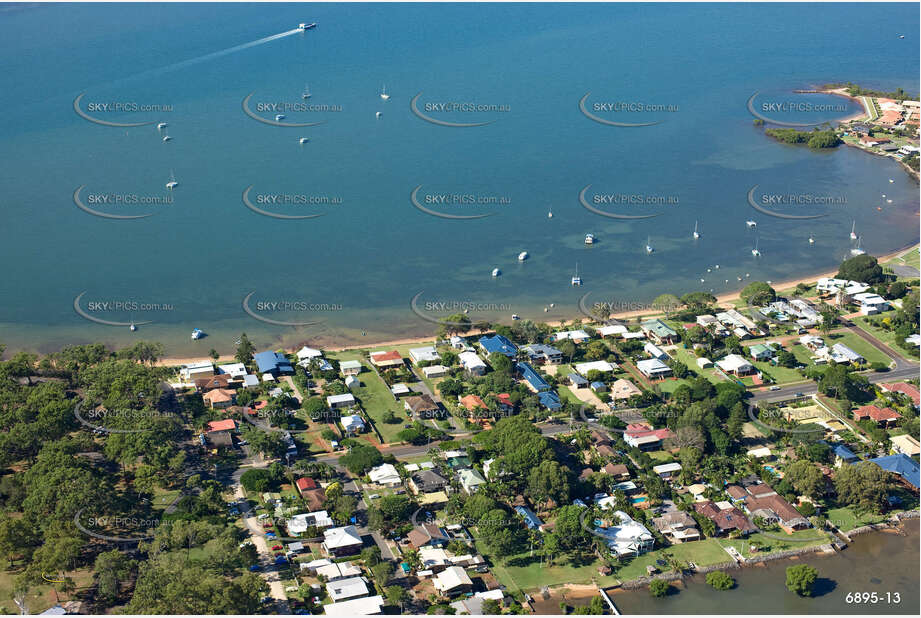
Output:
x,y
550,400
531,520
843,455
900,464
500,344
272,362
529,375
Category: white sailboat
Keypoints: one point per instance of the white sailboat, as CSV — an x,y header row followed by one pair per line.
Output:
x,y
306,94
811,239
522,256
303,140
755,251
696,233
166,137
649,248
384,94
577,280
496,272
550,214
857,250
854,230
173,183
751,223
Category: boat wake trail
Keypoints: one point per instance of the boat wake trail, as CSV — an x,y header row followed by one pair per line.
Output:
x,y
224,52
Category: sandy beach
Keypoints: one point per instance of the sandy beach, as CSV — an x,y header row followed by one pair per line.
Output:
x,y
723,300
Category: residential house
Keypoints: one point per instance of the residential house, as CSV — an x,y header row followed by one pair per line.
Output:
x,y
761,352
644,437
422,406
884,417
367,606
201,369
386,475
352,382
735,364
908,390
400,389
452,581
435,371
500,344
302,522
549,400
677,526
775,509
901,465
612,330
870,304
387,359
350,368
219,398
667,471
470,480
336,402
352,424
426,354
472,363
343,541
530,375
577,381
531,520
221,380
228,424
304,483
473,404
725,518
626,537
348,588
840,353
426,482
659,331
704,363
653,368
542,354
624,389
905,444
655,351
576,336
600,365
272,363
332,571
843,455
306,354
618,471
427,535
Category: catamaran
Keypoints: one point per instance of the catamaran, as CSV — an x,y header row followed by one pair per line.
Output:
x,y
755,251
696,233
649,248
384,94
854,230
577,280
173,183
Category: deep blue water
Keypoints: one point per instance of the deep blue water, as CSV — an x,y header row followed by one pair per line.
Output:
x,y
373,252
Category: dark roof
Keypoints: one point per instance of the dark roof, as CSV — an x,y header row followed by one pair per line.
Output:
x,y
498,343
270,361
421,403
550,400
532,377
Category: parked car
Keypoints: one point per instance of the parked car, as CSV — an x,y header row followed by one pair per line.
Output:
x,y
276,547
255,567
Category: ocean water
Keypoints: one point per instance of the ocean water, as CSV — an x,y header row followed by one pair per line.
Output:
x,y
352,273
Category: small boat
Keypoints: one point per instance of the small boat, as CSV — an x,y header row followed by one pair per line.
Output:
x,y
515,316
854,230
891,180
377,114
546,309
550,214
576,280
696,233
702,280
755,251
309,26
163,125
173,183
589,239
496,272
166,138
384,94
747,275
303,140
306,94
751,223
888,201
811,239
522,256
857,250
279,117
649,248
708,270
132,328
901,36
716,266
197,334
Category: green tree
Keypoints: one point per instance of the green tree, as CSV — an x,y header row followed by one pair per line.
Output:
x,y
659,587
758,293
720,580
863,268
801,579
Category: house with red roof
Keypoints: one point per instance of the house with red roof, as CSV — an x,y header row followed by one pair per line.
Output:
x,y
473,403
909,390
387,359
219,398
881,416
644,437
305,483
228,424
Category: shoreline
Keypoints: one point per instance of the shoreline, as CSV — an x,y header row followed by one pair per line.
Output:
x,y
722,299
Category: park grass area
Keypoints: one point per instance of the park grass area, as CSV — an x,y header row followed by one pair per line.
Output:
x,y
661,457
41,596
859,345
687,356
781,375
777,541
886,336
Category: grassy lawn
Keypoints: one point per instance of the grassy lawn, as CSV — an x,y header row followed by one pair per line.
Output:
x,y
702,553
778,541
163,498
661,457
376,399
782,375
687,357
859,345
530,575
887,337
41,596
846,519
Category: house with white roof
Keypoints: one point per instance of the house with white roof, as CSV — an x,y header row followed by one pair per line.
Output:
x,y
367,606
350,367
435,371
385,474
235,370
201,369
333,571
870,304
424,354
653,368
352,424
667,471
472,363
343,541
626,537
576,336
655,351
840,353
345,400
307,353
735,364
453,580
470,480
298,524
348,588
612,330
602,366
